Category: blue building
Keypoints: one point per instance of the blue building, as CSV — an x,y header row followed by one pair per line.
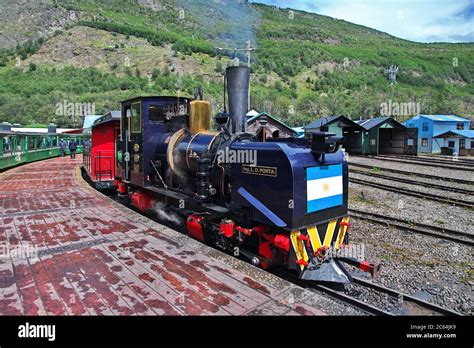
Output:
x,y
429,126
460,142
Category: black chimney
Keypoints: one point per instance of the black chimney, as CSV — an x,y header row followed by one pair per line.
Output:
x,y
238,78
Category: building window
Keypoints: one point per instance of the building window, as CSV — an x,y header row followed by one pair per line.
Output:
x,y
460,126
425,127
472,144
462,143
424,142
451,143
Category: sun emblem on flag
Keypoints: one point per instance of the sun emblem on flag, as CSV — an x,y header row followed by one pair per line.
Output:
x,y
326,187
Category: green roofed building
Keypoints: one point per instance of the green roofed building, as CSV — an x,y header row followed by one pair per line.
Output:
x,y
386,136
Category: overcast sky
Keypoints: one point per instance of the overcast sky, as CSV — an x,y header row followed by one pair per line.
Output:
x,y
417,20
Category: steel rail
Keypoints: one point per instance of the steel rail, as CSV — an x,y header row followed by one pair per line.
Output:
x,y
414,182
405,297
391,159
455,162
429,230
424,195
421,175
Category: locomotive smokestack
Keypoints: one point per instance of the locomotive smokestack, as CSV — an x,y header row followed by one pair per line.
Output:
x,y
238,78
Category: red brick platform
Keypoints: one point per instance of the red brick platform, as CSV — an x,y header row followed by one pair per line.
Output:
x,y
68,250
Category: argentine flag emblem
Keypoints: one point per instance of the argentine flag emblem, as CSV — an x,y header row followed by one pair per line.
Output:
x,y
324,187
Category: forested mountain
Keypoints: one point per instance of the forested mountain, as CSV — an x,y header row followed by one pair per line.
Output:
x,y
305,65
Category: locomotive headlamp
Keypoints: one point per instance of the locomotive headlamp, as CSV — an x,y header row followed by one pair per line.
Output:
x,y
322,142
332,143
136,158
136,147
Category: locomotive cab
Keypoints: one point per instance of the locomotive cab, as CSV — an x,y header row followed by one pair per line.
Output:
x,y
145,123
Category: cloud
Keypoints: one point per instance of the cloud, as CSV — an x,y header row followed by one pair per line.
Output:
x,y
420,20
467,13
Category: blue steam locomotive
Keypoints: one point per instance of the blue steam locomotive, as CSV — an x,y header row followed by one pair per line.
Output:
x,y
281,202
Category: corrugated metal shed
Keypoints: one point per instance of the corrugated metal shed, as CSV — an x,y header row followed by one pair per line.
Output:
x,y
444,118
321,122
375,122
340,126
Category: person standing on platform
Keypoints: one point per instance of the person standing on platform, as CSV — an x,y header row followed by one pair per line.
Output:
x,y
63,145
73,148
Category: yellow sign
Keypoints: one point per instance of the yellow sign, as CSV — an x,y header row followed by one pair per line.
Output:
x,y
259,170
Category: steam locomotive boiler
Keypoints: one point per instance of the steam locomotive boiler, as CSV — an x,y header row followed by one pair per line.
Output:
x,y
276,203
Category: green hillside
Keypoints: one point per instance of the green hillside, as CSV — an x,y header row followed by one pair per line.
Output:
x,y
305,65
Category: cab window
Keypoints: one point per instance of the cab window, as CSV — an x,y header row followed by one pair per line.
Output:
x,y
156,113
136,118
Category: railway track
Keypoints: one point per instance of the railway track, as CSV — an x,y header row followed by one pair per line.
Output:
x,y
421,175
352,301
424,163
447,157
424,195
331,292
453,161
414,182
410,304
429,230
413,304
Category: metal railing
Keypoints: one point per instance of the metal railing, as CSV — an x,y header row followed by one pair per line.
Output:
x,y
16,149
101,166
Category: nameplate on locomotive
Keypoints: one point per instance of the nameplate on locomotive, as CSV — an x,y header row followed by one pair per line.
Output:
x,y
259,170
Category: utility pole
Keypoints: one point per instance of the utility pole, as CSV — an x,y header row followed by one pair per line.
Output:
x,y
392,72
249,50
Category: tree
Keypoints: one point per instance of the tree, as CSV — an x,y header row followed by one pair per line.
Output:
x,y
278,86
335,103
155,73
